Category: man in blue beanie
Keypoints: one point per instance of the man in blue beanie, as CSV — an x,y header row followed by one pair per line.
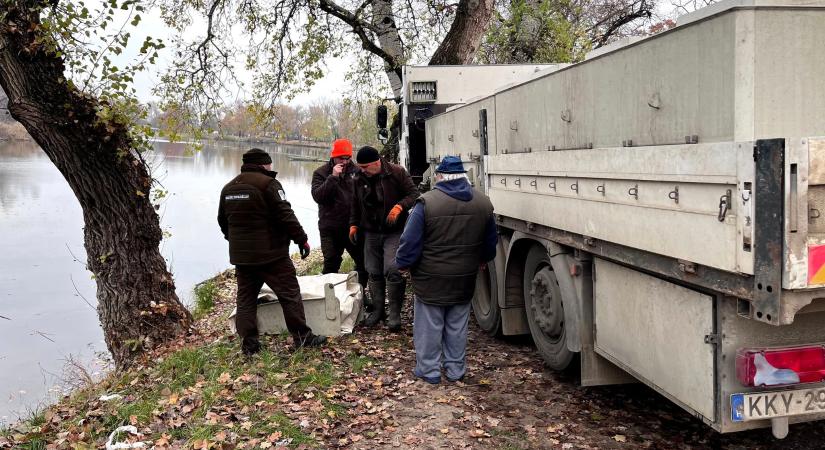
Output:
x,y
450,233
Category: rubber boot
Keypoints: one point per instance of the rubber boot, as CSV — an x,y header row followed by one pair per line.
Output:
x,y
395,298
377,302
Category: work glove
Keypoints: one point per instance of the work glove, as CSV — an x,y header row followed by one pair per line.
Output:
x,y
353,234
392,217
304,249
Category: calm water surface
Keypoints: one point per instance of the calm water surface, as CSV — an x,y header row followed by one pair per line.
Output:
x,y
43,282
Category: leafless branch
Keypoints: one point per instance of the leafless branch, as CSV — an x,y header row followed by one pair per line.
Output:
x,y
81,295
43,335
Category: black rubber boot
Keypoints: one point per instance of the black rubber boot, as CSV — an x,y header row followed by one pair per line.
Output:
x,y
377,302
395,298
310,340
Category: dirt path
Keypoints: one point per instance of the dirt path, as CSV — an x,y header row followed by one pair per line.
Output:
x,y
513,402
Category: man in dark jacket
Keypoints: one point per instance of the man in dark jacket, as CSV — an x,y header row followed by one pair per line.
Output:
x,y
384,192
332,189
450,233
258,222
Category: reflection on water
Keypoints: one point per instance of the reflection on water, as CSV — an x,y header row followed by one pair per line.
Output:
x,y
43,282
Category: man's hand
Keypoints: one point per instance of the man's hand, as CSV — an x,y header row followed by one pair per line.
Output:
x,y
304,249
337,170
353,234
392,217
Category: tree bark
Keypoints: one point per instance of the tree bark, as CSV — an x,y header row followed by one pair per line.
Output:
x,y
390,41
137,304
462,41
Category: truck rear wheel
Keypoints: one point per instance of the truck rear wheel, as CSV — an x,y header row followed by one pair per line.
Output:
x,y
545,309
485,300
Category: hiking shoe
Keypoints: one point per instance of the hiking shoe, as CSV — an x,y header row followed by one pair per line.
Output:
x,y
311,340
430,380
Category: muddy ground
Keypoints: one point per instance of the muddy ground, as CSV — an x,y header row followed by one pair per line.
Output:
x,y
513,402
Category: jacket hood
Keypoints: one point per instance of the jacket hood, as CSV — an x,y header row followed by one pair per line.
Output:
x,y
459,189
259,169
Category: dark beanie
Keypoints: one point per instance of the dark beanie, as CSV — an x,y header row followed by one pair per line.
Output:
x,y
257,156
366,155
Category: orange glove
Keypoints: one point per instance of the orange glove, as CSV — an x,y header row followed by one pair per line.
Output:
x,y
392,217
353,233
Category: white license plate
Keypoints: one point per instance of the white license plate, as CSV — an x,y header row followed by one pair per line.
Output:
x,y
765,405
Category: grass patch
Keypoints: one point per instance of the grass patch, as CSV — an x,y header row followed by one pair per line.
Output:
x,y
359,362
188,385
205,294
280,422
320,376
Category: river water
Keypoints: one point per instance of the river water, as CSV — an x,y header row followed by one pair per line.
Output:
x,y
47,298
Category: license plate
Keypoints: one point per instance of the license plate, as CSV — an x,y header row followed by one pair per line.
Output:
x,y
766,405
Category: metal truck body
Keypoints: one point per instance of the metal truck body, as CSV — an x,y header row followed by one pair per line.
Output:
x,y
659,207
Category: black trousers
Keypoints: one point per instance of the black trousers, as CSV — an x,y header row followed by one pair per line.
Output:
x,y
333,244
280,277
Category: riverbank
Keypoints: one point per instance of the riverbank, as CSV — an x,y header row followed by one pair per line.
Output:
x,y
358,393
13,131
307,144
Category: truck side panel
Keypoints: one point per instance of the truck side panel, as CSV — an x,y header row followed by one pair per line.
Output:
x,y
657,330
664,200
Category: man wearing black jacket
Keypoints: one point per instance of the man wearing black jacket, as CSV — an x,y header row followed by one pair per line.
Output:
x,y
384,194
332,189
259,223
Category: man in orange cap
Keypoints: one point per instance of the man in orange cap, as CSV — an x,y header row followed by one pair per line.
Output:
x,y
332,189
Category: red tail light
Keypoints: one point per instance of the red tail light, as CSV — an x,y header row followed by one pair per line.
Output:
x,y
777,366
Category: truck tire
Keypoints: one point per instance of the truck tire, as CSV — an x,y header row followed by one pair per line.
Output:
x,y
485,301
544,307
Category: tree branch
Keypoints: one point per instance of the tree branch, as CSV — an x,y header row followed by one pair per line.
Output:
x,y
360,27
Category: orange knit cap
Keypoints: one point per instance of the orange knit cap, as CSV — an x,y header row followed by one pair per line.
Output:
x,y
341,147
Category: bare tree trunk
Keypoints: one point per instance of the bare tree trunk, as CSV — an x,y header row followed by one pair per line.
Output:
x,y
137,304
390,41
462,41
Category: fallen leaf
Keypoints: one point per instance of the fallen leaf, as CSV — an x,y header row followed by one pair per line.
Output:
x,y
554,428
620,438
246,425
445,430
224,378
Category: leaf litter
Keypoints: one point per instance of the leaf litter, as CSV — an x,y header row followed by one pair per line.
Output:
x,y
358,393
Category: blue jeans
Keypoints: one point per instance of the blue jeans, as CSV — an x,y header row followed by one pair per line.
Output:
x,y
440,338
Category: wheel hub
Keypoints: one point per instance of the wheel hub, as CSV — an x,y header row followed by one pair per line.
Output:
x,y
546,303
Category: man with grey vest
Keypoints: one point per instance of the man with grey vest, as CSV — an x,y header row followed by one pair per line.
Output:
x,y
258,222
450,233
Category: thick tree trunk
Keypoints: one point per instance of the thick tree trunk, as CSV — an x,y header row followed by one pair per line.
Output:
x,y
137,304
462,41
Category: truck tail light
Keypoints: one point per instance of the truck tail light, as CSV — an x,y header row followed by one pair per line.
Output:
x,y
777,366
